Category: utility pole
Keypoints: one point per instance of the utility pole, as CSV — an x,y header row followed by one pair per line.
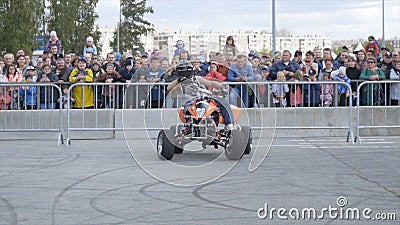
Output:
x,y
119,25
383,24
274,28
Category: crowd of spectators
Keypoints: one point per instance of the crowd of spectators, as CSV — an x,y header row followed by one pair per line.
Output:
x,y
229,65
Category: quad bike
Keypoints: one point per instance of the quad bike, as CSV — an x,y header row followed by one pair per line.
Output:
x,y
199,122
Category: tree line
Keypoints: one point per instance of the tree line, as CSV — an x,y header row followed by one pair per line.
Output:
x,y
22,23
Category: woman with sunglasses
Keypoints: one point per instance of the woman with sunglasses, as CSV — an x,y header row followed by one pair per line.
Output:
x,y
372,93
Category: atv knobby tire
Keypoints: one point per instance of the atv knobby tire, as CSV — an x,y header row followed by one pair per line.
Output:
x,y
247,132
236,145
165,148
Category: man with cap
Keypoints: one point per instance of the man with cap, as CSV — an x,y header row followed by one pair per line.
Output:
x,y
298,56
29,93
386,64
31,72
127,70
384,50
372,43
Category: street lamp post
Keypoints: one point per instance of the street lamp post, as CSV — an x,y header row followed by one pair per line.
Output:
x,y
273,28
383,23
119,25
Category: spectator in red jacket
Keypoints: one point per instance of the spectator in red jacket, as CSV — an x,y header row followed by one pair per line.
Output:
x,y
372,43
214,74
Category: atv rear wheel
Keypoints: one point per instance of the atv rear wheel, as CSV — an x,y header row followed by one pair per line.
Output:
x,y
235,145
247,132
165,148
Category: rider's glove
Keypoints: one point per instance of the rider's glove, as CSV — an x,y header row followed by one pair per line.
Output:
x,y
181,79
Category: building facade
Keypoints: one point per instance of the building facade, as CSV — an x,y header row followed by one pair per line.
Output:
x,y
197,42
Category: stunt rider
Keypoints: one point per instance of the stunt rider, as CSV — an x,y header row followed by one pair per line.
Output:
x,y
187,92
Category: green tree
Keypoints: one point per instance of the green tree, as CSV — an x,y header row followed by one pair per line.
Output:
x,y
132,26
18,24
74,20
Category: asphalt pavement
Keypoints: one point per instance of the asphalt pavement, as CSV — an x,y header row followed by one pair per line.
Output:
x,y
124,182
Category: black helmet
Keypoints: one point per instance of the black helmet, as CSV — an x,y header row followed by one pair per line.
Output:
x,y
184,69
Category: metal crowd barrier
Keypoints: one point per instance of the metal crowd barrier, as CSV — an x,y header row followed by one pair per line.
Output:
x,y
106,98
322,119
28,118
26,113
374,100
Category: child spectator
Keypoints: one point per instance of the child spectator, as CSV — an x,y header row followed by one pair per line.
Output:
x,y
263,95
143,90
252,54
48,95
372,43
156,52
90,47
64,100
327,91
96,68
29,93
296,96
5,98
54,41
311,91
214,74
180,47
230,48
15,100
197,70
343,90
110,92
279,90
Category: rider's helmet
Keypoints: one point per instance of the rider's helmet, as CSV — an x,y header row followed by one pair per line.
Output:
x,y
184,69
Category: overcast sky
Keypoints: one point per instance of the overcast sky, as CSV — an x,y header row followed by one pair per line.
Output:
x,y
338,19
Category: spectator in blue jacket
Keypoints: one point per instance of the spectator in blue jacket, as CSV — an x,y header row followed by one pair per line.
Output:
x,y
90,47
155,74
240,71
311,91
285,65
28,93
343,90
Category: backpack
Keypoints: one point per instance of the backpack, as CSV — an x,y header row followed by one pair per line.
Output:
x,y
376,42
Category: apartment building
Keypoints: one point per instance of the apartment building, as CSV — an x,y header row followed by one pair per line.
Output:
x,y
196,42
261,41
